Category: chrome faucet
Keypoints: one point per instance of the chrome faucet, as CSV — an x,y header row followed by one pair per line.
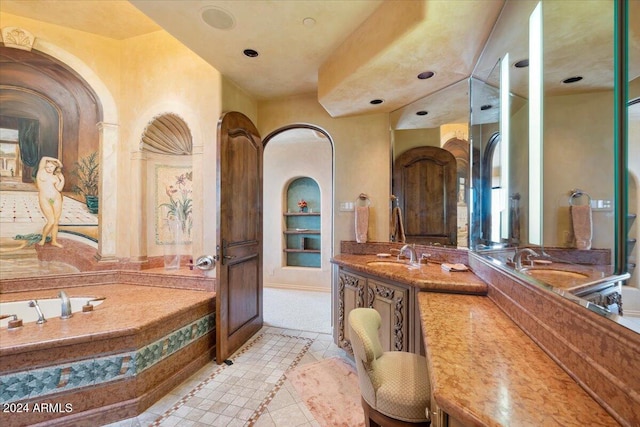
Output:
x,y
65,312
413,257
34,303
517,258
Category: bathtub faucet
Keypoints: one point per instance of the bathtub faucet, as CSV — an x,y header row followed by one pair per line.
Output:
x,y
66,306
34,303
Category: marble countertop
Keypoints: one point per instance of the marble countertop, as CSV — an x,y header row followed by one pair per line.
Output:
x,y
485,371
126,310
426,277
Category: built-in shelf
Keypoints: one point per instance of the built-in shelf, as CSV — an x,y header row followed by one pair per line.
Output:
x,y
302,214
302,232
302,229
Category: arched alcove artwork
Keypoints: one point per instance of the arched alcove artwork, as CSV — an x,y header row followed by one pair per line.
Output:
x,y
47,109
167,144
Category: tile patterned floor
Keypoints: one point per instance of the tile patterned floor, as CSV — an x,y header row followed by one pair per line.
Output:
x,y
253,391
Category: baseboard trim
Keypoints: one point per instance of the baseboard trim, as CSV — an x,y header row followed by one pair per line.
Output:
x,y
297,287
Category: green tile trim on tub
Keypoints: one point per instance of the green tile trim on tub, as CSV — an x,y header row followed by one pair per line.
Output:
x,y
96,371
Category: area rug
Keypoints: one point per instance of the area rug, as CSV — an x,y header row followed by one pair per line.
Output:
x,y
329,388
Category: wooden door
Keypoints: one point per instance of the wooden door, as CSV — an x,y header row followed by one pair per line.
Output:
x,y
239,270
424,180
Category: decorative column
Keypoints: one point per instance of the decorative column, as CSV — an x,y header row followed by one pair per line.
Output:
x,y
201,191
108,190
140,220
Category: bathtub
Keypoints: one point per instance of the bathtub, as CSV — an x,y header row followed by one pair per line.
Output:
x,y
146,337
50,307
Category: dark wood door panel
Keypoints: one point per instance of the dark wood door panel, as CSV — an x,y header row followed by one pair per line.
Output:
x,y
243,304
424,181
239,271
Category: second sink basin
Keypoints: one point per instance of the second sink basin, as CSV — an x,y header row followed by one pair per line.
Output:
x,y
555,277
393,265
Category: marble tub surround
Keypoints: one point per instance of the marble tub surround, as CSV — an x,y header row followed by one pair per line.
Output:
x,y
485,371
437,254
425,277
184,278
128,311
599,354
85,258
111,363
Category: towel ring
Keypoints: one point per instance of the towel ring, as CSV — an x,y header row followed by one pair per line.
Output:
x,y
577,193
363,198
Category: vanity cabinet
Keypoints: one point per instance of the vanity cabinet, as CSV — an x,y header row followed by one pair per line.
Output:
x,y
394,302
390,300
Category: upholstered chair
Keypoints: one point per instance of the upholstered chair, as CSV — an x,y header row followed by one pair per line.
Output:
x,y
394,385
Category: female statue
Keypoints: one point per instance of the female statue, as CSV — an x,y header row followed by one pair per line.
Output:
x,y
50,182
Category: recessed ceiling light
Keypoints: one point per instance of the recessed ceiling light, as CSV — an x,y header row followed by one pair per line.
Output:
x,y
218,18
376,101
250,53
308,22
572,79
426,75
422,113
522,63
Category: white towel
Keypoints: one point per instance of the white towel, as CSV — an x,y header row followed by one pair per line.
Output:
x,y
362,223
582,225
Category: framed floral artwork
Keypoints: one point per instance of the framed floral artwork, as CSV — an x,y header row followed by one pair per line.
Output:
x,y
174,204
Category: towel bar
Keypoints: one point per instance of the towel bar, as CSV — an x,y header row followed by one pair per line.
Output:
x,y
364,198
577,193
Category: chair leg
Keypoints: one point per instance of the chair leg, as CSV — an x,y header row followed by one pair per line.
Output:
x,y
373,418
366,408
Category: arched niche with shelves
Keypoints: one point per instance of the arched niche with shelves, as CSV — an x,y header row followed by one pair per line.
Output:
x,y
302,225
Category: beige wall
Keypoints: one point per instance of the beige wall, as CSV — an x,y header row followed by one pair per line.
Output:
x,y
579,155
406,139
361,159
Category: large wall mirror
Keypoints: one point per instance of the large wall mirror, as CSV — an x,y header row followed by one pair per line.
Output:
x,y
430,168
544,131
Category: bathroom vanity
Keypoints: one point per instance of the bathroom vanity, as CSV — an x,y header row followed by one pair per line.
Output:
x,y
494,357
391,286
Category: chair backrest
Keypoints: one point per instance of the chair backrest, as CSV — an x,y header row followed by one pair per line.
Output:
x,y
363,333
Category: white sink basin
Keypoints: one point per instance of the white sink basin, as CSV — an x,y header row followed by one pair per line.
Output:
x,y
553,276
392,265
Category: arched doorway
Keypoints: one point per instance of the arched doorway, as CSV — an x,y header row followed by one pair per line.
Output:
x,y
298,153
